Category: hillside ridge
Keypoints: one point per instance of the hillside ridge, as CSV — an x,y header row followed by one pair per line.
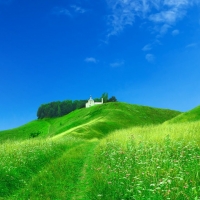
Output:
x,y
189,116
93,122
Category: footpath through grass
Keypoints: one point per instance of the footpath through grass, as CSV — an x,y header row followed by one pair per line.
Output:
x,y
152,162
62,178
21,161
147,162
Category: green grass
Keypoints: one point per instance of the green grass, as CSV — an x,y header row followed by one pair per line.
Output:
x,y
190,116
62,178
111,151
24,132
93,122
20,161
158,162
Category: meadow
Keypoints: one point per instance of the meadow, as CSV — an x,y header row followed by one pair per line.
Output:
x,y
155,159
157,162
20,161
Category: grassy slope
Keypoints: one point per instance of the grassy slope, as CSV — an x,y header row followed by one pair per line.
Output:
x,y
120,166
92,122
21,161
190,116
23,132
155,162
62,178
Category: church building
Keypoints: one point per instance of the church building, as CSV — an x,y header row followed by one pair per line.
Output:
x,y
92,103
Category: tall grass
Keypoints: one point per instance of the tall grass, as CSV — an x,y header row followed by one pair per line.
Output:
x,y
158,162
21,161
61,179
155,162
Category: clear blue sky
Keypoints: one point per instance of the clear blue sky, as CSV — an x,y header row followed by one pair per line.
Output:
x,y
143,52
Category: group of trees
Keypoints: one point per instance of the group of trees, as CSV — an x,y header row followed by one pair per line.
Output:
x,y
105,98
60,108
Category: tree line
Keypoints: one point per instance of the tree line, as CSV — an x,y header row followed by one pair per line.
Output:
x,y
60,108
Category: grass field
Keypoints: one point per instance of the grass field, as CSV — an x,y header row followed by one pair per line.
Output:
x,y
190,116
94,122
157,162
20,161
113,151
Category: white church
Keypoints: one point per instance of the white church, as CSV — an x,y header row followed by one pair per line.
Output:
x,y
92,103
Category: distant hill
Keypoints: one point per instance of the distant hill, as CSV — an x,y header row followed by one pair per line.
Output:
x,y
93,122
190,116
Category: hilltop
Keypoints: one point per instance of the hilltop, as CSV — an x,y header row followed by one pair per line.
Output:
x,y
190,116
93,122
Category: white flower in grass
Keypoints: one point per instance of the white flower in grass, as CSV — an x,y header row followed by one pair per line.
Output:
x,y
169,181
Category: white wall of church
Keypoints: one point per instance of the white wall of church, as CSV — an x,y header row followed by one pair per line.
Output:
x,y
92,103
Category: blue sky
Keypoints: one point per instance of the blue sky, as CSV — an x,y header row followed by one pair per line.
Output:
x,y
143,52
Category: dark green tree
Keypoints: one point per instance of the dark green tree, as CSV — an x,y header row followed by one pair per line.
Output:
x,y
97,99
66,107
57,109
112,99
105,97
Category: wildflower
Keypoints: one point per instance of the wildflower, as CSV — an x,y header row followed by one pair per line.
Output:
x,y
169,181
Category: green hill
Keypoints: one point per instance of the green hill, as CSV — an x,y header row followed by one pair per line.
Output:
x,y
75,158
190,116
93,122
